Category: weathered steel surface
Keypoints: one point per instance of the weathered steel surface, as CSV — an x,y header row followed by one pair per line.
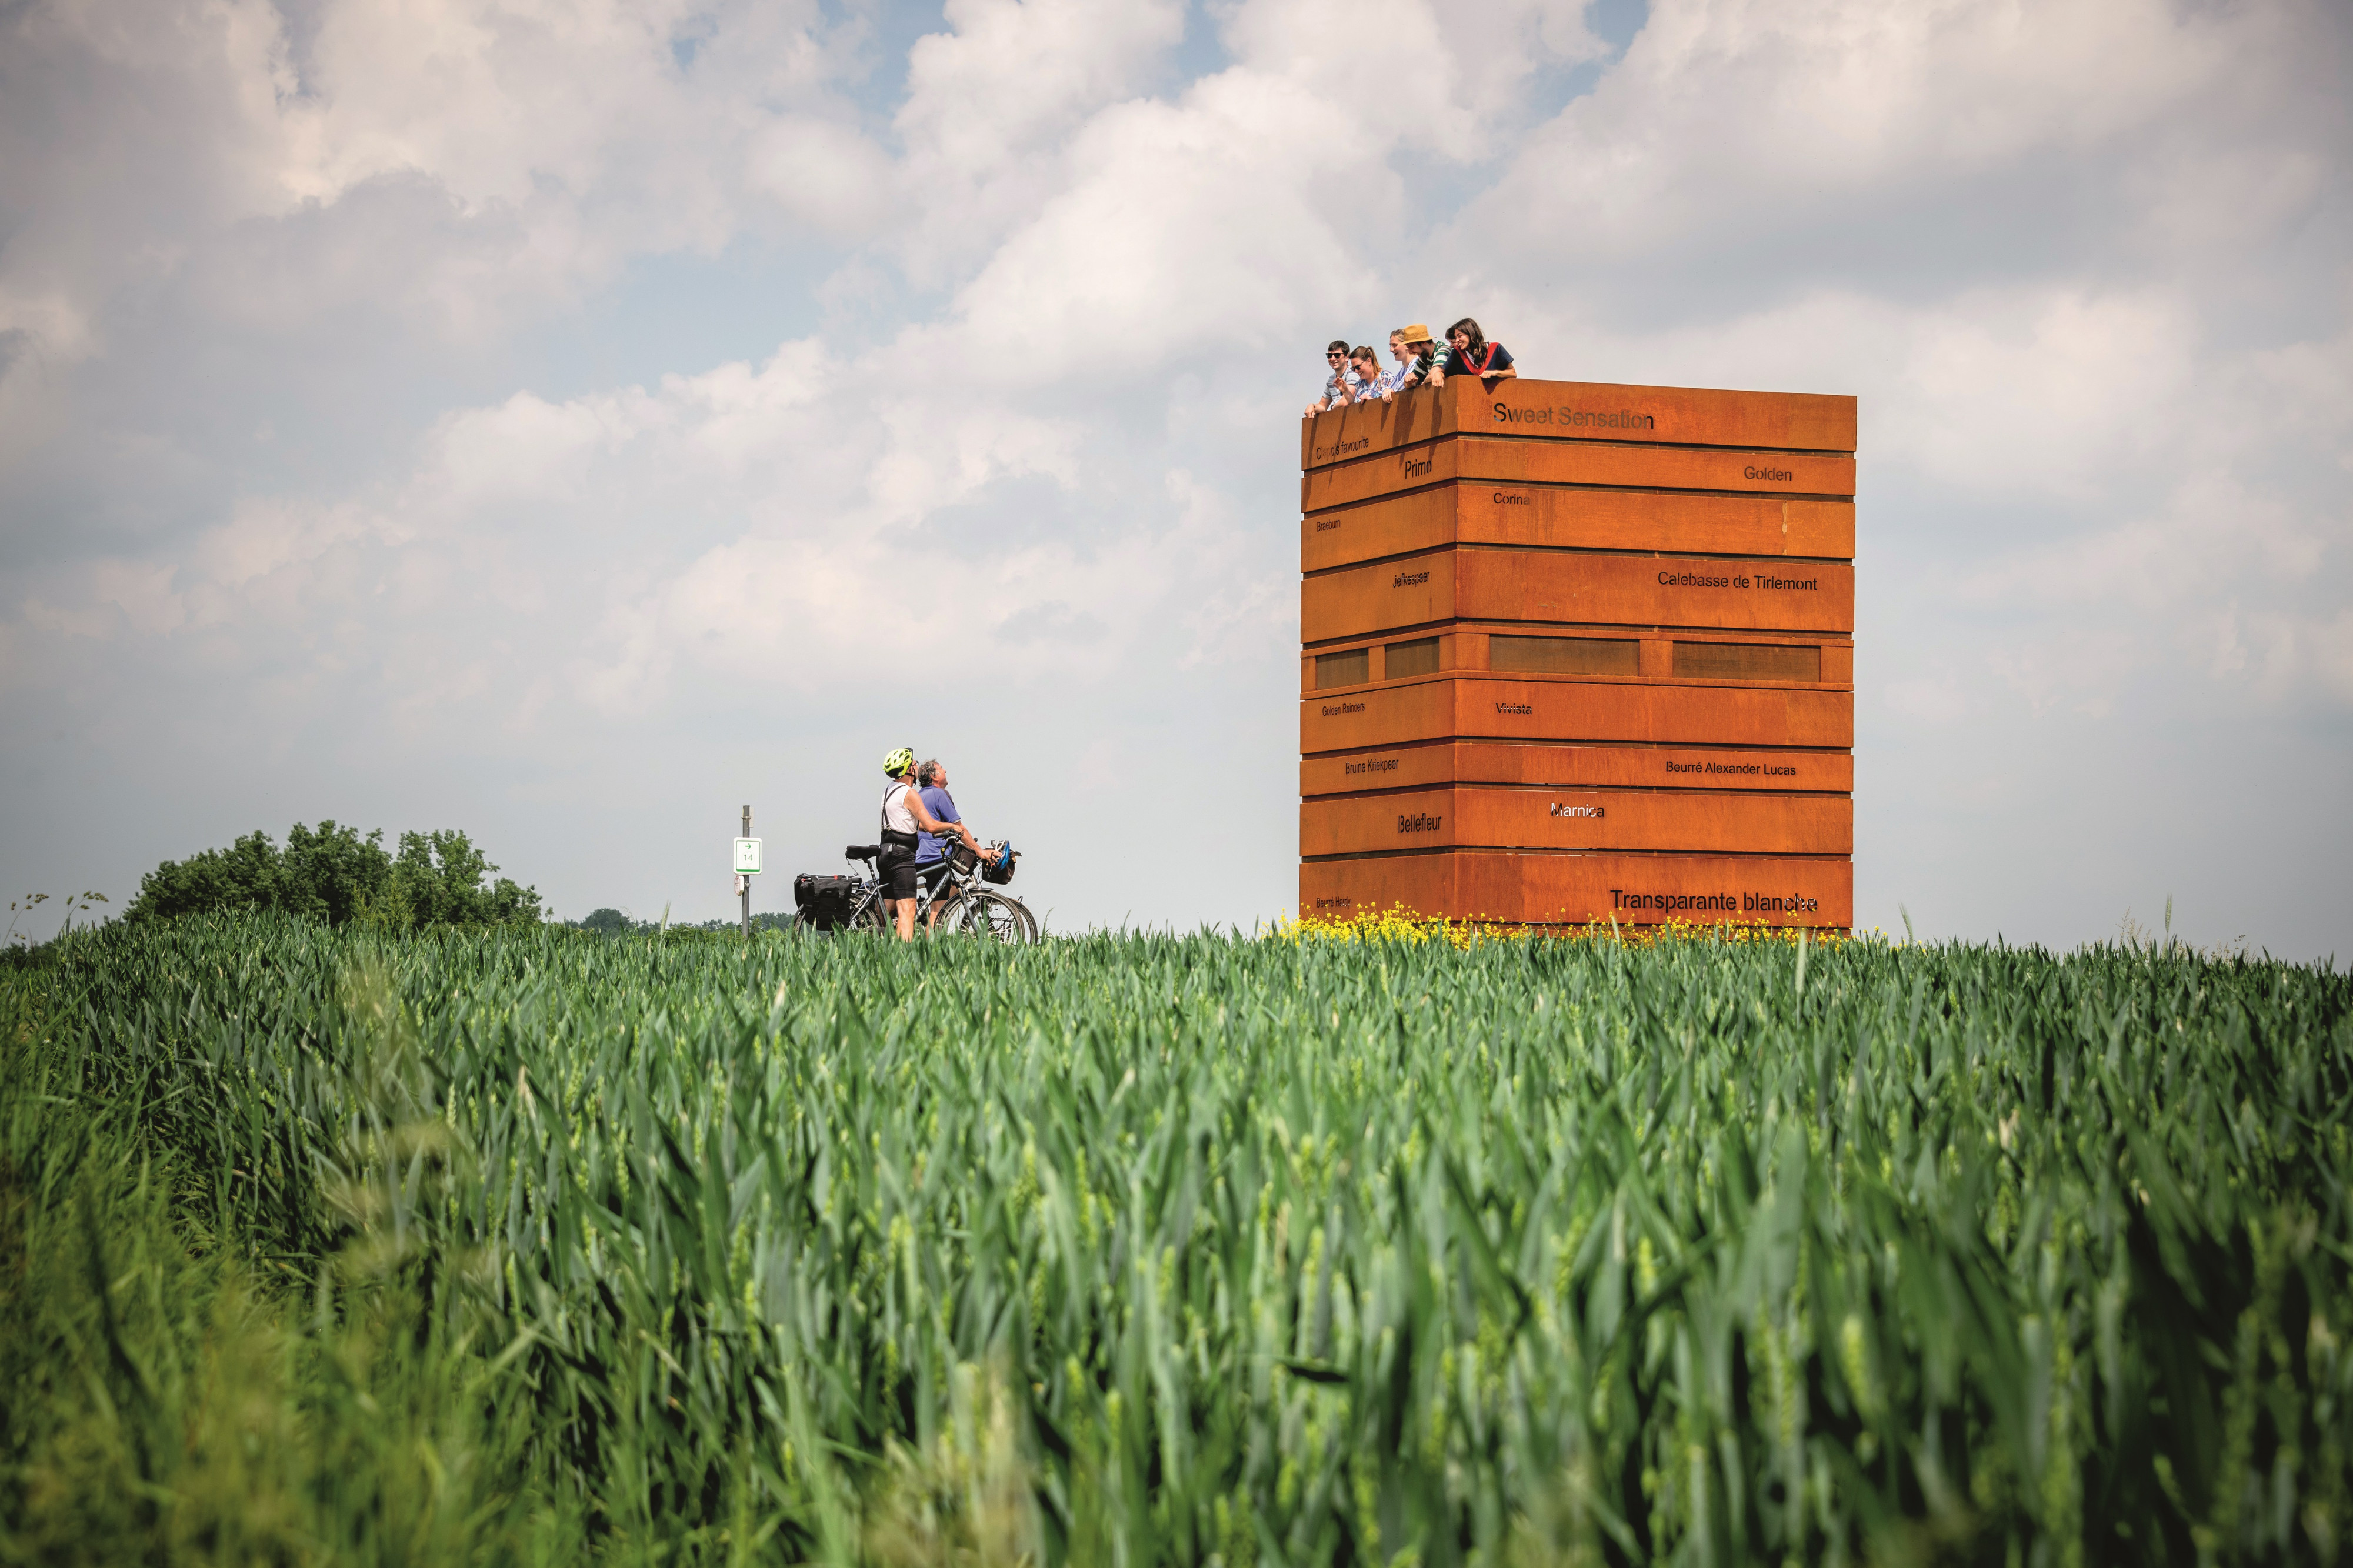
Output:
x,y
1518,888
1538,517
1487,817
1563,411
1743,592
1574,651
1422,765
1495,463
1509,709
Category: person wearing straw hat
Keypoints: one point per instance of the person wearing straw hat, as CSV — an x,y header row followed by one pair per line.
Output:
x,y
1416,355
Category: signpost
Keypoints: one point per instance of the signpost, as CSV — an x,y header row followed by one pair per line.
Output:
x,y
747,866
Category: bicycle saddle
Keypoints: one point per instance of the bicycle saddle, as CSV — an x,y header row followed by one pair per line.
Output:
x,y
864,851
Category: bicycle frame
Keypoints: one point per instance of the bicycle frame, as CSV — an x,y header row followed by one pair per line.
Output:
x,y
934,894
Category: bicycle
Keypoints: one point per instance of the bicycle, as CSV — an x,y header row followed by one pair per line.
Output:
x,y
951,889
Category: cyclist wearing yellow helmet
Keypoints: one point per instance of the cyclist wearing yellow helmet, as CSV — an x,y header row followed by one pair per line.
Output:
x,y
903,814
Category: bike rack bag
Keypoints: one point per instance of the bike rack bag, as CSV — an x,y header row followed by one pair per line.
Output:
x,y
825,902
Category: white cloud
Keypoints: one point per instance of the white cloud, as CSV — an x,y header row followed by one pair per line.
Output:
x,y
541,146
1749,116
1015,74
990,103
823,174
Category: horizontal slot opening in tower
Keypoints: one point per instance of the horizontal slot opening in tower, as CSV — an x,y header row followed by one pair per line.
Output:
x,y
1419,657
1749,660
1353,668
1564,656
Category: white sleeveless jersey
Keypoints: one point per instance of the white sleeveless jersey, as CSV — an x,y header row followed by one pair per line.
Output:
x,y
897,815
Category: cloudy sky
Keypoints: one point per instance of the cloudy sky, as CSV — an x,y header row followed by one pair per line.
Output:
x,y
568,420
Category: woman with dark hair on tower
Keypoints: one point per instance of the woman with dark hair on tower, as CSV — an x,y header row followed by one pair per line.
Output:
x,y
1468,352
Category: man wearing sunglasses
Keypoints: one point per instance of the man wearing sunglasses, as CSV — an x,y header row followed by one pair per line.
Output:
x,y
1342,386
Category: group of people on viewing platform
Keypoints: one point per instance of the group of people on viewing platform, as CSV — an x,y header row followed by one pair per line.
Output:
x,y
1358,376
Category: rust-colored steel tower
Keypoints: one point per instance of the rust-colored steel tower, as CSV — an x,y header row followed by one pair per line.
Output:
x,y
1573,652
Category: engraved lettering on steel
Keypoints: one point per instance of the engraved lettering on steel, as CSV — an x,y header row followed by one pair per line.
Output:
x,y
1574,418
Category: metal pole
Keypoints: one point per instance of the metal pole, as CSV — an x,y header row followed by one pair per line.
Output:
x,y
746,880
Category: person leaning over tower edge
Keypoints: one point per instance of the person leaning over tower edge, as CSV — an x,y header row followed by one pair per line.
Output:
x,y
1371,380
1418,361
1341,385
1397,375
1468,352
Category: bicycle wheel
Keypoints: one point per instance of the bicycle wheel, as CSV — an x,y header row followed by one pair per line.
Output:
x,y
992,916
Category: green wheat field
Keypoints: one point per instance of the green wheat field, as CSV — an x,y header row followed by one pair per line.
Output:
x,y
533,1245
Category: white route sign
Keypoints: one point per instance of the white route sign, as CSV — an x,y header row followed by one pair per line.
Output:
x,y
747,856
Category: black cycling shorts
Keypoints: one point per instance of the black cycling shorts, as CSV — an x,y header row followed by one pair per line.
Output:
x,y
897,869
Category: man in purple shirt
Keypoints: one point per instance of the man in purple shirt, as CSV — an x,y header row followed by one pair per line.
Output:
x,y
933,779
931,848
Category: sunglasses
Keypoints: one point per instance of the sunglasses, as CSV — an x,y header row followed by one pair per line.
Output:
x,y
1335,356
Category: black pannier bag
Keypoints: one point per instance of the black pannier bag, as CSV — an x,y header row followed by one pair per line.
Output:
x,y
962,856
824,901
1001,868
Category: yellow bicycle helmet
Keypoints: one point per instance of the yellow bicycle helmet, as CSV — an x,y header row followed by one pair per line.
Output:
x,y
898,761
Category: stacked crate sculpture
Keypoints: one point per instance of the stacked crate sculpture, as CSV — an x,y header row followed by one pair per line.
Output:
x,y
1572,653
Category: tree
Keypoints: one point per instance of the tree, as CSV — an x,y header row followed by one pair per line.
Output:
x,y
612,922
328,872
331,873
439,880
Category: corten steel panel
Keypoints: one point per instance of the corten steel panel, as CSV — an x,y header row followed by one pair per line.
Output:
x,y
1578,588
1476,816
1507,762
1574,888
1537,516
1497,463
1587,411
1523,708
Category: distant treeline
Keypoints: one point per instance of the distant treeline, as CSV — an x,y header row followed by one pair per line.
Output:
x,y
331,873
613,922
